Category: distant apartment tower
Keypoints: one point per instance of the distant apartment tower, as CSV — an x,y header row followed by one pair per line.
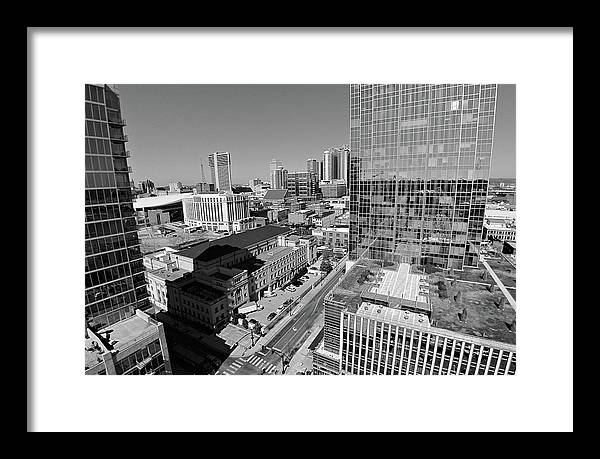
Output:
x,y
302,184
314,166
329,165
146,186
114,272
219,164
277,175
175,187
419,170
226,212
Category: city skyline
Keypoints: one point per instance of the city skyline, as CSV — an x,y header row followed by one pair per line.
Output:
x,y
289,122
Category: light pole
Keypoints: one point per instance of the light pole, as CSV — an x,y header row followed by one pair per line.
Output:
x,y
282,355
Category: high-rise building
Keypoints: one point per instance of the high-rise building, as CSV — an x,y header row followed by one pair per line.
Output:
x,y
220,211
302,184
313,165
343,163
219,164
114,273
329,165
277,175
419,171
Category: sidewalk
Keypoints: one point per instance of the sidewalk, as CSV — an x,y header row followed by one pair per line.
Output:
x,y
302,360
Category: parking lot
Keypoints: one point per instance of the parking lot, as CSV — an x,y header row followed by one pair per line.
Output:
x,y
272,303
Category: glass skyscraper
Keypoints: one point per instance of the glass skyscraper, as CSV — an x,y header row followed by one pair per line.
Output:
x,y
114,272
420,159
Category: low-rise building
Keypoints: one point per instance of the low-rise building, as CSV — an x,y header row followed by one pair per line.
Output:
x,y
324,219
133,346
301,217
334,188
333,237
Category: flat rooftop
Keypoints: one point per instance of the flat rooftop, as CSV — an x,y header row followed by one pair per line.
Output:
x,y
202,291
392,316
485,318
166,274
275,254
239,240
117,336
159,201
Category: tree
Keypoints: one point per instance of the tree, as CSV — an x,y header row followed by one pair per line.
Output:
x,y
245,323
326,266
490,288
462,316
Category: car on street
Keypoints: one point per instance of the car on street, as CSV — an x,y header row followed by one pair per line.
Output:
x,y
271,316
291,289
294,328
305,278
269,295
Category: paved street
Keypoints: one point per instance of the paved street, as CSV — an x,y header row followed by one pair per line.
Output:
x,y
251,365
286,339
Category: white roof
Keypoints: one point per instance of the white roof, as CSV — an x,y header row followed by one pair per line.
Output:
x,y
156,201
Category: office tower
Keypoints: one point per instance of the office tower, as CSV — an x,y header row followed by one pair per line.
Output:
x,y
343,163
328,166
221,211
312,165
114,273
302,184
419,171
277,175
219,164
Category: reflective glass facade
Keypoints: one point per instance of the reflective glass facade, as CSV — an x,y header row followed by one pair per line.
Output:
x,y
114,272
419,169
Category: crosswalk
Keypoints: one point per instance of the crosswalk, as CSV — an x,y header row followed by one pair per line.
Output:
x,y
254,360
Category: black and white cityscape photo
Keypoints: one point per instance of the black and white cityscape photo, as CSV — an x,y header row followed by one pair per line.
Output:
x,y
300,229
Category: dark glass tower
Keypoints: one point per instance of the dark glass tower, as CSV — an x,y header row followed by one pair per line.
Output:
x,y
420,159
114,272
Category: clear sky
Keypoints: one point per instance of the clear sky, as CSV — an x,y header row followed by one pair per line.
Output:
x,y
172,128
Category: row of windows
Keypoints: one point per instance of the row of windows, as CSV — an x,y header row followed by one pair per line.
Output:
x,y
94,93
95,111
122,305
105,291
97,146
108,212
107,196
111,258
138,356
107,228
96,129
109,274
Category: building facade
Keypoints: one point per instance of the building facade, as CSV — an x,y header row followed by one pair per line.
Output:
x,y
314,166
277,175
419,171
219,164
114,273
224,212
335,188
333,237
302,184
133,346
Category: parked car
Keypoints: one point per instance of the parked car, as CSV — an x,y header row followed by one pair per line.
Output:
x,y
291,289
271,316
305,278
279,309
